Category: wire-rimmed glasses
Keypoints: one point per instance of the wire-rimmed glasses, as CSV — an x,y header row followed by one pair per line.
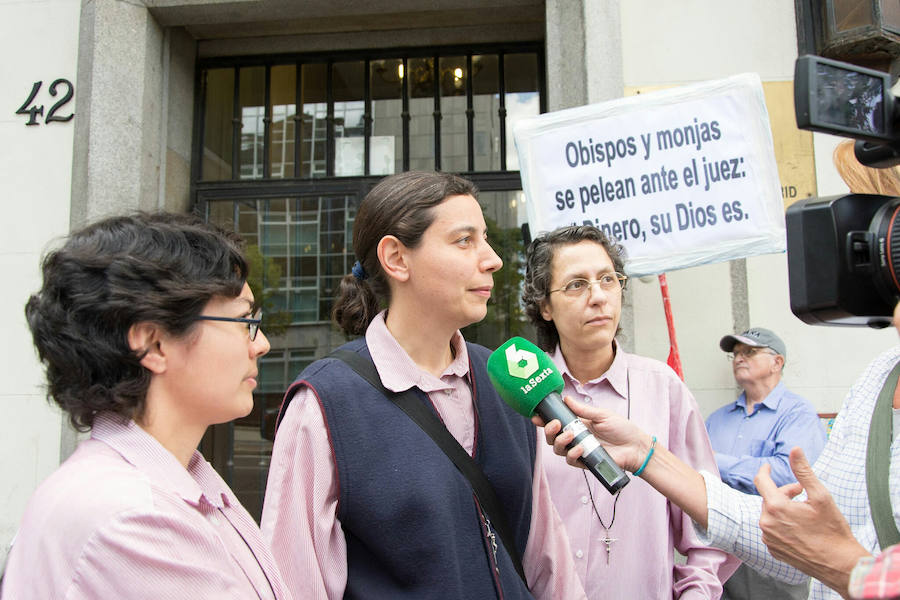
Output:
x,y
575,288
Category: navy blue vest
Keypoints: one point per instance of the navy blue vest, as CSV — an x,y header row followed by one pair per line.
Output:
x,y
410,519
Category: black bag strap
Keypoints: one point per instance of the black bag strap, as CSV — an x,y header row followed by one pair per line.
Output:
x,y
413,406
878,463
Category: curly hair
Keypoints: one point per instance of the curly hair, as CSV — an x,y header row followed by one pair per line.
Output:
x,y
538,273
145,267
400,205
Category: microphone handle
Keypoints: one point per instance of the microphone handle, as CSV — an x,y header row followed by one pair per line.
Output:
x,y
594,456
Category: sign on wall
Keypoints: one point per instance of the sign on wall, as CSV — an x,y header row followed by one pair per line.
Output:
x,y
681,177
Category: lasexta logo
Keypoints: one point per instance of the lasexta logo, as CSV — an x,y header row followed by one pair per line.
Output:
x,y
520,363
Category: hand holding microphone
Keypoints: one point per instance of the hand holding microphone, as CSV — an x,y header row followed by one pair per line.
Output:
x,y
530,383
625,442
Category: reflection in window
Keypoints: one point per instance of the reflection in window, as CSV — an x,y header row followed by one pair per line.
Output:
x,y
486,105
253,111
349,126
283,109
304,245
314,134
386,141
367,116
522,99
454,121
218,113
420,80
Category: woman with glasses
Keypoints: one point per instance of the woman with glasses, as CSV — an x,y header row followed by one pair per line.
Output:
x,y
149,334
826,525
623,543
360,501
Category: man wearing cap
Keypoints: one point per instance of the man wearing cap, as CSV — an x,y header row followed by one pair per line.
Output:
x,y
758,428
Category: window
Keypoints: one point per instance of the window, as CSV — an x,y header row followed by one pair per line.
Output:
x,y
347,116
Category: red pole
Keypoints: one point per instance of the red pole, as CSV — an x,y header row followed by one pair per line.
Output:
x,y
674,359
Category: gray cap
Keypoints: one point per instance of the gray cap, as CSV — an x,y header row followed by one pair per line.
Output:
x,y
756,337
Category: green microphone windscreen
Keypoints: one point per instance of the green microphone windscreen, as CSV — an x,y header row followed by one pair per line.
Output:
x,y
523,375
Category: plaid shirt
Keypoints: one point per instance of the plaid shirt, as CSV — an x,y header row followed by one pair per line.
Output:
x,y
734,517
877,577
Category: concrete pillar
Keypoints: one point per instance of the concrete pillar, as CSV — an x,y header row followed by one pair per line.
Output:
x,y
120,96
566,68
584,65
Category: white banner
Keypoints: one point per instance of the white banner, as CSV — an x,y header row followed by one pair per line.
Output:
x,y
681,177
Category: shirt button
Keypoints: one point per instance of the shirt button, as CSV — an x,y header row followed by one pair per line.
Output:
x,y
579,554
584,499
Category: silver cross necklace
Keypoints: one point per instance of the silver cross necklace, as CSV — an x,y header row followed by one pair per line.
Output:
x,y
606,539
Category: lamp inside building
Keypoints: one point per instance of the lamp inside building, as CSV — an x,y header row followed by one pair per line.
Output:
x,y
864,32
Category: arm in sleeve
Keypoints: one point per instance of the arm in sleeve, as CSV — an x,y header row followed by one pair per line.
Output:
x,y
799,427
705,568
877,576
155,557
299,518
548,562
733,526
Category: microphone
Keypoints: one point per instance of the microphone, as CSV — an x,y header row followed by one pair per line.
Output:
x,y
530,383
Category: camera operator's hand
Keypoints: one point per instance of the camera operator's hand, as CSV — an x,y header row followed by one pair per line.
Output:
x,y
811,535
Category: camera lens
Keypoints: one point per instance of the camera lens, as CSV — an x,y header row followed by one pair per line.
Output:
x,y
886,230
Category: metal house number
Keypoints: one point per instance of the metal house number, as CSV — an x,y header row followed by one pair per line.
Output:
x,y
34,111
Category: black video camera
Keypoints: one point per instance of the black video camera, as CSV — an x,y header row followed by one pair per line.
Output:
x,y
844,251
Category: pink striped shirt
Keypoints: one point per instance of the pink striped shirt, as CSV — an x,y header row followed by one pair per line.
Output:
x,y
122,518
640,562
300,513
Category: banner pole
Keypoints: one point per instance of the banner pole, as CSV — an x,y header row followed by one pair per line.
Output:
x,y
674,359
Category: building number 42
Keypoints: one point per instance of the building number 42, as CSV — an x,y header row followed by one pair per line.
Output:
x,y
33,111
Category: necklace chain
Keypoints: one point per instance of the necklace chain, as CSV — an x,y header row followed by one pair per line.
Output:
x,y
587,483
596,512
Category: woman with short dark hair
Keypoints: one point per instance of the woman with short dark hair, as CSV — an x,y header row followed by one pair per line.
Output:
x,y
149,334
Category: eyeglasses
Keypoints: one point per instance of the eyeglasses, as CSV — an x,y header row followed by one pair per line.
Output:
x,y
750,352
252,323
577,287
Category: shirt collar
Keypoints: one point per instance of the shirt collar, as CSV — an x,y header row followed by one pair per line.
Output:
x,y
195,484
616,375
771,401
399,372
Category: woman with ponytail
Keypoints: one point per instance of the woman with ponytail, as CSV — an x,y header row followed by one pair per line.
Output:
x,y
360,502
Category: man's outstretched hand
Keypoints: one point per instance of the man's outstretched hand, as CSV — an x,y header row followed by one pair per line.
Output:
x,y
812,534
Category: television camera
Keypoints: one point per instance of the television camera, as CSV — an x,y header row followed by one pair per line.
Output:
x,y
844,251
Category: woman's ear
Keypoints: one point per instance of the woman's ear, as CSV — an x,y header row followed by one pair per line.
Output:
x,y
392,256
144,339
546,311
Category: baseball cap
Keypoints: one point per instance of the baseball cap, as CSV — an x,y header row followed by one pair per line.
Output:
x,y
756,337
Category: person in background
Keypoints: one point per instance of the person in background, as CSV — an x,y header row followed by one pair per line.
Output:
x,y
758,428
623,544
149,334
360,501
821,526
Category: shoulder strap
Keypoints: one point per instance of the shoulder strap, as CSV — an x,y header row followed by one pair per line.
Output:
x,y
878,463
413,406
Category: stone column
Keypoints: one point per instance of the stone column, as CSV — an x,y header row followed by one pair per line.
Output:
x,y
120,96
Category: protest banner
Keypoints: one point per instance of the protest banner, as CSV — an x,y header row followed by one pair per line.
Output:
x,y
681,177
